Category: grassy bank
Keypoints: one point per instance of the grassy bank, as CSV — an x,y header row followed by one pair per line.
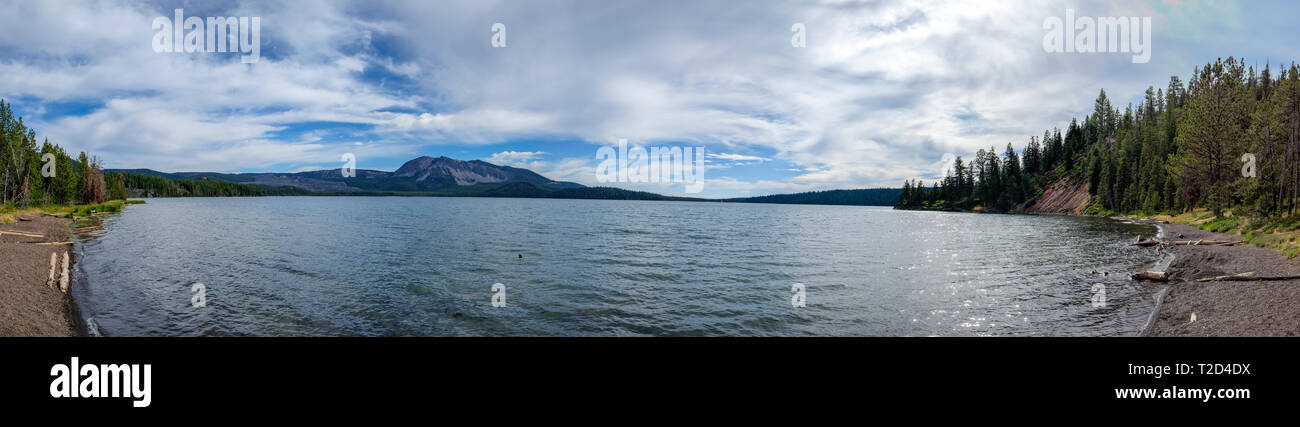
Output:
x,y
8,214
1282,234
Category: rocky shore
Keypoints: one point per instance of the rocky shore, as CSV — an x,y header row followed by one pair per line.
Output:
x,y
1227,308
28,305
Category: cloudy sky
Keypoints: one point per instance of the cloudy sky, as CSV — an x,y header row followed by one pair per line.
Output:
x,y
881,92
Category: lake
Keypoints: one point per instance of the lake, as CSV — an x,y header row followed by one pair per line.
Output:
x,y
426,266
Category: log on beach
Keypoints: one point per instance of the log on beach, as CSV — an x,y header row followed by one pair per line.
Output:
x,y
21,234
54,262
1246,277
63,277
1155,276
1154,242
1206,242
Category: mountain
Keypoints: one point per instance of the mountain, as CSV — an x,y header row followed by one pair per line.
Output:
x,y
447,171
434,176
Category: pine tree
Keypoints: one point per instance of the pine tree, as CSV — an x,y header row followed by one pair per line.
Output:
x,y
1033,157
1212,131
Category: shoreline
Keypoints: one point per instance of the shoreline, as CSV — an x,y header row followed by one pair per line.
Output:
x,y
28,305
1223,308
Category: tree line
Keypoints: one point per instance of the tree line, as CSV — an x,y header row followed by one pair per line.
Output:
x,y
1227,139
1003,181
39,175
156,186
859,197
43,174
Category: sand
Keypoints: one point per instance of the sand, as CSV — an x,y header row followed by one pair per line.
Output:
x,y
27,306
1270,308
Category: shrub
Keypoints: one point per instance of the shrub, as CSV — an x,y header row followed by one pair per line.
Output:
x,y
1221,225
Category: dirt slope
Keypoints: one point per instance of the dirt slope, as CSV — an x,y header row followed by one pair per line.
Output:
x,y
1066,196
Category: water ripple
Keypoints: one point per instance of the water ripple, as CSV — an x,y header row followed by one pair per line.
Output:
x,y
425,266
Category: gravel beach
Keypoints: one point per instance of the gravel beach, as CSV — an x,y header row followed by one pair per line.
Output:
x,y
27,306
1241,308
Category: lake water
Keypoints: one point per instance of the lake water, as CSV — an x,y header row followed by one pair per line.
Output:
x,y
425,266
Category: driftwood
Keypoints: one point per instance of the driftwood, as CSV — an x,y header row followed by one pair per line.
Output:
x,y
63,279
1246,277
21,234
1154,242
1155,276
1206,242
1145,242
54,257
53,243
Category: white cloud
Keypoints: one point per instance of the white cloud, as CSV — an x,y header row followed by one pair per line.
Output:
x,y
881,91
511,158
571,169
736,157
484,126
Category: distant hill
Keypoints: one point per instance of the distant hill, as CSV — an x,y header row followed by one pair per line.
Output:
x,y
863,197
444,172
441,176
531,190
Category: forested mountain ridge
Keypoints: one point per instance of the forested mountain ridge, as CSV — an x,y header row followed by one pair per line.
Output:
x,y
859,197
1228,139
441,176
420,175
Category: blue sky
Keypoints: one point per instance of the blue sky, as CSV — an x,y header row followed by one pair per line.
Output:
x,y
881,93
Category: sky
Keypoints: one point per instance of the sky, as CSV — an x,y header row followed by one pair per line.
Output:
x,y
880,92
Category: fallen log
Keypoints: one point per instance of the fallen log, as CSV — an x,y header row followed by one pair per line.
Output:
x,y
1237,276
1206,242
53,268
1246,277
63,278
1155,242
53,243
1155,276
21,234
1149,242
